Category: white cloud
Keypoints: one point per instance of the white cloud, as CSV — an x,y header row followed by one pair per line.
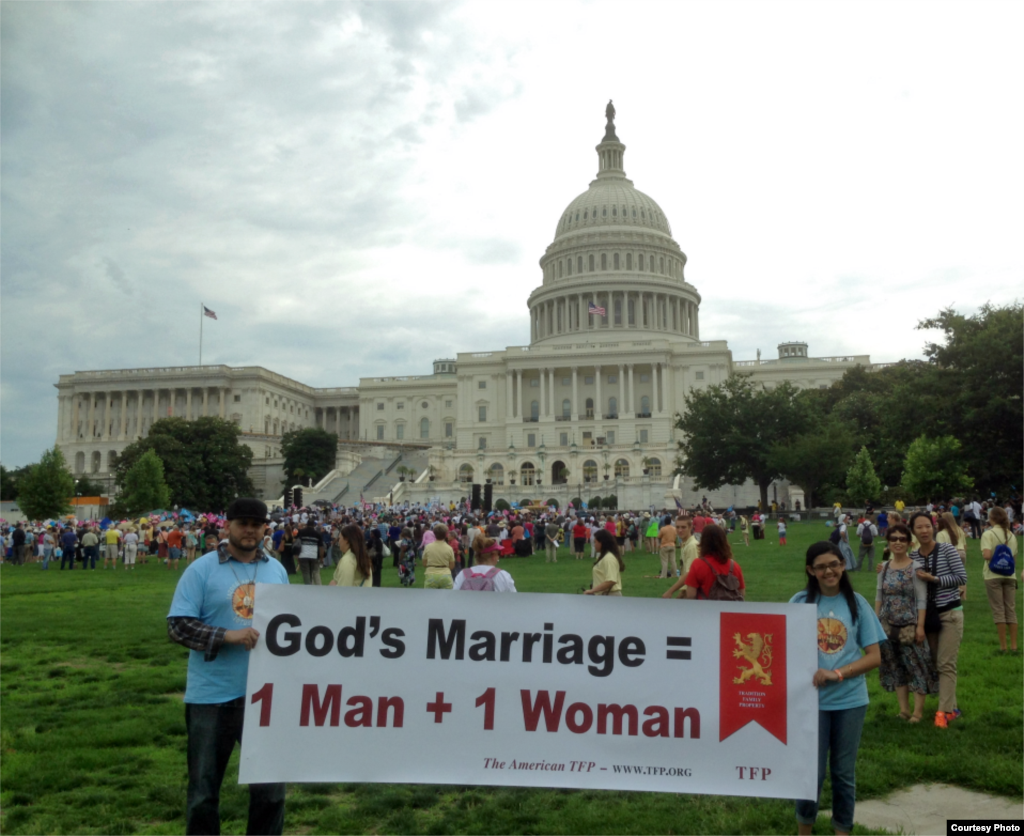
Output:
x,y
377,182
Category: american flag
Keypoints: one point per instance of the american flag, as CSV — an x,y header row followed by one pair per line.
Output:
x,y
208,312
596,310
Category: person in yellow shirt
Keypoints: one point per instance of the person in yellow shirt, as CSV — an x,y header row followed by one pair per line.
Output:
x,y
606,577
354,568
438,559
900,505
1001,589
688,554
111,541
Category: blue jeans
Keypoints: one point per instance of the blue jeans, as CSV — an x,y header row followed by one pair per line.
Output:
x,y
91,553
838,733
213,731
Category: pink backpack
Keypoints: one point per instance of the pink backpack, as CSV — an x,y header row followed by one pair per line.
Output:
x,y
479,583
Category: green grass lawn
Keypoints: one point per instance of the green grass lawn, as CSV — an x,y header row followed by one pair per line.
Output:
x,y
93,731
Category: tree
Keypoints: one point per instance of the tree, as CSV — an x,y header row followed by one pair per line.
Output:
x,y
980,361
935,468
309,452
816,459
205,464
8,485
730,429
144,488
44,491
862,483
84,486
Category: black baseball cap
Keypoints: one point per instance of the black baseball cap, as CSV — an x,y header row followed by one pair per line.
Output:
x,y
248,508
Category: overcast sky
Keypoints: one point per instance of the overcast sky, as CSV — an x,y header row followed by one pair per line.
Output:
x,y
357,189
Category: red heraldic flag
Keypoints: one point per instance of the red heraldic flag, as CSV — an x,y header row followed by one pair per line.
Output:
x,y
752,673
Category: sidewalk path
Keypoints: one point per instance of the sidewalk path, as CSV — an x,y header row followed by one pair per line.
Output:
x,y
923,809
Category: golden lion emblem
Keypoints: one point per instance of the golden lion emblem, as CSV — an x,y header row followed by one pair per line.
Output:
x,y
757,651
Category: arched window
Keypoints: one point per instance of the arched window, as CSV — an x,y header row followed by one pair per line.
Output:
x,y
559,269
591,262
566,409
111,459
589,471
96,461
399,431
466,473
613,408
640,262
534,410
663,265
604,261
568,265
79,462
579,264
590,407
629,260
527,473
645,405
497,473
654,466
424,428
615,261
621,469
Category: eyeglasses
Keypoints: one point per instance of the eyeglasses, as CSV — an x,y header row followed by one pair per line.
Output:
x,y
821,569
899,540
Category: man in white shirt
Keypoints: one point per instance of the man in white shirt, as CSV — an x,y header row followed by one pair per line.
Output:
x,y
866,533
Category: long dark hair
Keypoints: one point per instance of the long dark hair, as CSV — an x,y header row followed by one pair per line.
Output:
x,y
714,543
606,540
353,535
816,550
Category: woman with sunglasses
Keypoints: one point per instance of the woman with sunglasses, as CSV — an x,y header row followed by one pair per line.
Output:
x,y
848,638
901,599
944,573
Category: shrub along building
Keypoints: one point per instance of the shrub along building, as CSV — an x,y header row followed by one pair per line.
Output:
x,y
587,407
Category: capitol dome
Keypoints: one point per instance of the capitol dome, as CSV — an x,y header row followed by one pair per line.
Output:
x,y
614,252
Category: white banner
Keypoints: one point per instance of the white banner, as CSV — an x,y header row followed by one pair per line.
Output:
x,y
543,690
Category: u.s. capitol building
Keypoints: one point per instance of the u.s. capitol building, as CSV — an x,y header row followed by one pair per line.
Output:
x,y
588,406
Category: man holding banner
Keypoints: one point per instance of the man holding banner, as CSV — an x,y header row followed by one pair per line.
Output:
x,y
211,614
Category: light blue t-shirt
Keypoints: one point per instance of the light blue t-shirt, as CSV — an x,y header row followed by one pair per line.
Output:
x,y
840,642
221,594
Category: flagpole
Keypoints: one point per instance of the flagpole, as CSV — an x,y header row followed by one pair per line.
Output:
x,y
200,333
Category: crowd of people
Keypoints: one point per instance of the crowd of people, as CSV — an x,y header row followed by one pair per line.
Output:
x,y
912,633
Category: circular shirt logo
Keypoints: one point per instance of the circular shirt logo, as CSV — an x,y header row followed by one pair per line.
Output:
x,y
243,599
831,635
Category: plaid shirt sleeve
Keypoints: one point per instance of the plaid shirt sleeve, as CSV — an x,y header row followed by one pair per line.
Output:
x,y
196,635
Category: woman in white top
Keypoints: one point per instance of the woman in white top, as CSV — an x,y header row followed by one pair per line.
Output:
x,y
131,549
1001,589
487,554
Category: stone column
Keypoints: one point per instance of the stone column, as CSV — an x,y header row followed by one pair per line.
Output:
x,y
223,400
655,389
543,394
598,405
519,391
575,398
138,412
92,416
622,391
632,407
551,393
508,395
124,416
206,401
188,404
579,312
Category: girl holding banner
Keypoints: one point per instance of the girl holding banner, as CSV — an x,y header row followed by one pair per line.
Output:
x,y
847,628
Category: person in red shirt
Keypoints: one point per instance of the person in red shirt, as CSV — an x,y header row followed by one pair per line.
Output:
x,y
174,541
699,521
580,535
715,558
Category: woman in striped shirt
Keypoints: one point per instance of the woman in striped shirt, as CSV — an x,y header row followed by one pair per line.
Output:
x,y
944,573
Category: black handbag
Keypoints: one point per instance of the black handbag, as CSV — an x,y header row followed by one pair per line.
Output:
x,y
932,622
